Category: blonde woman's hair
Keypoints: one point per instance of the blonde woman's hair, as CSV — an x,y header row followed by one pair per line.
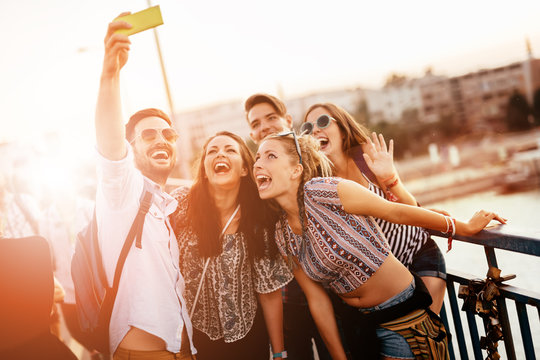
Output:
x,y
314,163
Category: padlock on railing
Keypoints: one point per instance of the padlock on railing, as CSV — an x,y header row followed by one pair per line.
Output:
x,y
479,297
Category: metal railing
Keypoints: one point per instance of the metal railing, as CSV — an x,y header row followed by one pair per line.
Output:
x,y
525,242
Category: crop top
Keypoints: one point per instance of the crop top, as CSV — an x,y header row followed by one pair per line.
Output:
x,y
338,249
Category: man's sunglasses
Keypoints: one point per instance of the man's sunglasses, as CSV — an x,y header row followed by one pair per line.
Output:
x,y
149,135
296,144
322,123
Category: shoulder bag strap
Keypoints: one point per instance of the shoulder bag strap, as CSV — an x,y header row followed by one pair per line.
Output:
x,y
208,260
135,230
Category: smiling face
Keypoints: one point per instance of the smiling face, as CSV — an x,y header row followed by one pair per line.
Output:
x,y
265,120
277,171
156,158
223,163
331,138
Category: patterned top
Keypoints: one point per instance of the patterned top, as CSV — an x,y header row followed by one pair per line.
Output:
x,y
339,249
227,303
404,240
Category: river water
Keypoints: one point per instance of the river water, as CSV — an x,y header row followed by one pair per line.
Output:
x,y
523,213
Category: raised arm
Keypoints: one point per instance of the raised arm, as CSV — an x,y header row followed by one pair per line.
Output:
x,y
358,200
380,160
110,130
322,312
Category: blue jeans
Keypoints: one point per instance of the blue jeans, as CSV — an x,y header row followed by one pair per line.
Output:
x,y
429,261
393,344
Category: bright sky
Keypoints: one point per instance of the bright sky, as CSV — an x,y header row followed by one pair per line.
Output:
x,y
217,50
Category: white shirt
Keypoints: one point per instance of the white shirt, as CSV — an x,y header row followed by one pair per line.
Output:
x,y
61,233
150,291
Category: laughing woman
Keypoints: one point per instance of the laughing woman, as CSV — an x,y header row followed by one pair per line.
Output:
x,y
370,163
227,256
327,229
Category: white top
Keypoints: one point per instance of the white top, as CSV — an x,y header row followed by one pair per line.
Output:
x,y
150,291
61,233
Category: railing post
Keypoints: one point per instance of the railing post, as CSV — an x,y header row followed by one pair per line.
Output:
x,y
525,330
444,318
457,320
503,312
473,331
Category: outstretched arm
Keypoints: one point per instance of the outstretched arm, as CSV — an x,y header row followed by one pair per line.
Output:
x,y
272,306
110,131
380,160
358,200
322,312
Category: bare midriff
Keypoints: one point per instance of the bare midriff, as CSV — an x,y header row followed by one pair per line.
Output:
x,y
137,339
389,280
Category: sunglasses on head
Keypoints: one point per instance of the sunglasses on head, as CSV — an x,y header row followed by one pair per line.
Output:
x,y
322,122
149,135
296,144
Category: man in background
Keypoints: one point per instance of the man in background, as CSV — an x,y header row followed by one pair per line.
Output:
x,y
266,114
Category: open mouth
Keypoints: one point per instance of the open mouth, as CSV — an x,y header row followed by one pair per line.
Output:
x,y
221,168
160,154
263,182
324,142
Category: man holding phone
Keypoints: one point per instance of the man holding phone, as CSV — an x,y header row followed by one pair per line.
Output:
x,y
149,319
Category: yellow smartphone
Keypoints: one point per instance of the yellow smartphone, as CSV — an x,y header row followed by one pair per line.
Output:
x,y
142,20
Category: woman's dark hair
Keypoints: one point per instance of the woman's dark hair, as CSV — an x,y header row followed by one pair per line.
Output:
x,y
258,216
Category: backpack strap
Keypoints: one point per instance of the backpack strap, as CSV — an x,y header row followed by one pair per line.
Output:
x,y
100,267
134,231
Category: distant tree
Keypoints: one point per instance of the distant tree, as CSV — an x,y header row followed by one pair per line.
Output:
x,y
410,116
536,107
399,133
447,127
361,115
517,113
395,79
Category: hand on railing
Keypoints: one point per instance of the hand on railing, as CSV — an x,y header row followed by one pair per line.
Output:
x,y
479,221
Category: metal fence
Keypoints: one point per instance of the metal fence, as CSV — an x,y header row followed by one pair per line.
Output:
x,y
467,336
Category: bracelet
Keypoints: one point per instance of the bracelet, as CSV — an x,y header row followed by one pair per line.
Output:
x,y
390,196
447,224
282,355
394,183
390,178
451,233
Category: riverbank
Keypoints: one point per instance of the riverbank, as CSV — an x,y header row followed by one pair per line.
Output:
x,y
494,162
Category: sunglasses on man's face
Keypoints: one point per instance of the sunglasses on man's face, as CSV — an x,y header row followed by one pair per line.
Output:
x,y
296,144
150,135
322,123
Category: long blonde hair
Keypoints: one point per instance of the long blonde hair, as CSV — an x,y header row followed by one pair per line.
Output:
x,y
314,162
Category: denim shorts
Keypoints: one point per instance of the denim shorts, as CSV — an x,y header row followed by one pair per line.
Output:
x,y
429,261
393,345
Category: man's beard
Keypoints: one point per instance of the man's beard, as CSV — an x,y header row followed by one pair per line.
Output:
x,y
158,174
